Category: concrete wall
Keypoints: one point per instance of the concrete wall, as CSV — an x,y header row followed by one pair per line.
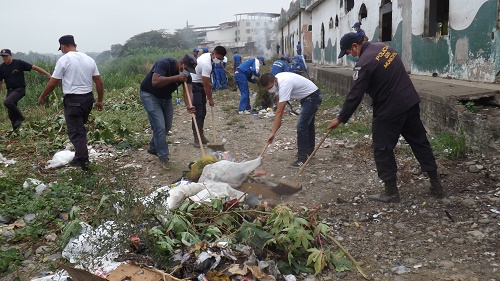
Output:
x,y
440,109
470,50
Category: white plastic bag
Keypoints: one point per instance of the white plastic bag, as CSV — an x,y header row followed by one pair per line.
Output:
x,y
61,158
229,172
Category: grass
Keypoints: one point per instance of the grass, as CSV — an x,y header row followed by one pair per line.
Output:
x,y
451,146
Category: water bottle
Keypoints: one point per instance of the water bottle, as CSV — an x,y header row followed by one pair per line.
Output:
x,y
178,101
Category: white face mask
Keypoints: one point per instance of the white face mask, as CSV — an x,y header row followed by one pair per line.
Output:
x,y
216,60
187,73
352,58
273,89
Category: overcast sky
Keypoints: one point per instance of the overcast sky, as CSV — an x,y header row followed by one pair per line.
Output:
x,y
36,25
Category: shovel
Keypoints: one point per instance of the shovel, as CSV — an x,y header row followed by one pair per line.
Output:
x,y
287,187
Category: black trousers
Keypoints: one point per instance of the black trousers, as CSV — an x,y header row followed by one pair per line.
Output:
x,y
76,112
386,133
13,97
200,105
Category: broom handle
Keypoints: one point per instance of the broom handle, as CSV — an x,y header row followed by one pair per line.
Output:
x,y
312,154
194,121
264,150
213,123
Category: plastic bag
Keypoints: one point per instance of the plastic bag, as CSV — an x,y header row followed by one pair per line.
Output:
x,y
61,158
229,172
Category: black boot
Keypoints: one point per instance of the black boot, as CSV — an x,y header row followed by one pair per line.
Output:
x,y
204,140
389,195
436,188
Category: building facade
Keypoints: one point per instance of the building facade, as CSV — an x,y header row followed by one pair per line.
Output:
x,y
459,39
251,33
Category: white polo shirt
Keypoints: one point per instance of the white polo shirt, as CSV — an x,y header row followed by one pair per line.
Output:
x,y
294,86
203,68
76,70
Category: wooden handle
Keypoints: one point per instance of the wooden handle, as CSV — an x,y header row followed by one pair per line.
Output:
x,y
213,123
194,121
312,154
264,150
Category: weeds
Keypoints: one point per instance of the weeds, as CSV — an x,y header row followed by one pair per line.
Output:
x,y
452,146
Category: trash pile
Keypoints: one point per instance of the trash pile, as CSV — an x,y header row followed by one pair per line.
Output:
x,y
206,230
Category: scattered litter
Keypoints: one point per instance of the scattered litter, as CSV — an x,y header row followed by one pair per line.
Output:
x,y
61,158
6,161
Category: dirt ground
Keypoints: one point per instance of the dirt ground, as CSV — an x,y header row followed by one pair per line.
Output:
x,y
421,238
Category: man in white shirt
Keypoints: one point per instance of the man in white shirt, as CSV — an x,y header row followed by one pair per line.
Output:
x,y
286,86
202,89
78,72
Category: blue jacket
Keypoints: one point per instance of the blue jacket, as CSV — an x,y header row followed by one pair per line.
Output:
x,y
279,66
250,69
297,64
237,60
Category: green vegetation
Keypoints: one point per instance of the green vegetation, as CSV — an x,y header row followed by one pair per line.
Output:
x,y
450,145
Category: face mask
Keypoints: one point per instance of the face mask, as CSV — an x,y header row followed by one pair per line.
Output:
x,y
273,89
187,73
353,59
216,60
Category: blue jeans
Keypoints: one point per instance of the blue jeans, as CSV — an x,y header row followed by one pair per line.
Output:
x,y
306,130
242,82
160,115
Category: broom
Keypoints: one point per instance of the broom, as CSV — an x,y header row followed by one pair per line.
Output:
x,y
286,187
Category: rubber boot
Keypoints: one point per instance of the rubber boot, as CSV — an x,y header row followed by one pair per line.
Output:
x,y
436,188
389,195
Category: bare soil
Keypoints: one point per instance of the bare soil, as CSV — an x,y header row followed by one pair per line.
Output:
x,y
456,238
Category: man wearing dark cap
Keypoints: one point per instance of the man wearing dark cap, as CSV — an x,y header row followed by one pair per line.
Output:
x,y
380,73
202,89
196,52
12,71
78,72
166,75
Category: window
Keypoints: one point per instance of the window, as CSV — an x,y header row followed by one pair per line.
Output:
x,y
436,18
341,3
386,17
248,31
337,21
363,13
322,36
330,23
249,39
309,27
349,5
248,23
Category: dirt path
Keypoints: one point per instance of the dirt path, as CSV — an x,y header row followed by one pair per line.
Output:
x,y
451,239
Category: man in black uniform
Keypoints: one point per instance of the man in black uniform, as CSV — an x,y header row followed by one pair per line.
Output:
x,y
381,74
12,71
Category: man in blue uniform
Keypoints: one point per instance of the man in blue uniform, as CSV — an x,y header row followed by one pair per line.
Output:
x,y
236,59
380,73
360,31
247,72
299,49
196,52
12,71
279,66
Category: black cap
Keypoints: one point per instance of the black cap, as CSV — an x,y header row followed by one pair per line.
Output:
x,y
189,63
346,42
66,40
5,52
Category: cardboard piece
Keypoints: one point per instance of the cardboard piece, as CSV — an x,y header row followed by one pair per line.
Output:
x,y
259,189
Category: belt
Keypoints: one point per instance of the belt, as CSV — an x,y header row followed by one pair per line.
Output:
x,y
315,92
72,94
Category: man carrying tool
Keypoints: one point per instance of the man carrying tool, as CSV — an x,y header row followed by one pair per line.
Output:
x,y
247,72
156,95
12,71
202,89
286,86
380,73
